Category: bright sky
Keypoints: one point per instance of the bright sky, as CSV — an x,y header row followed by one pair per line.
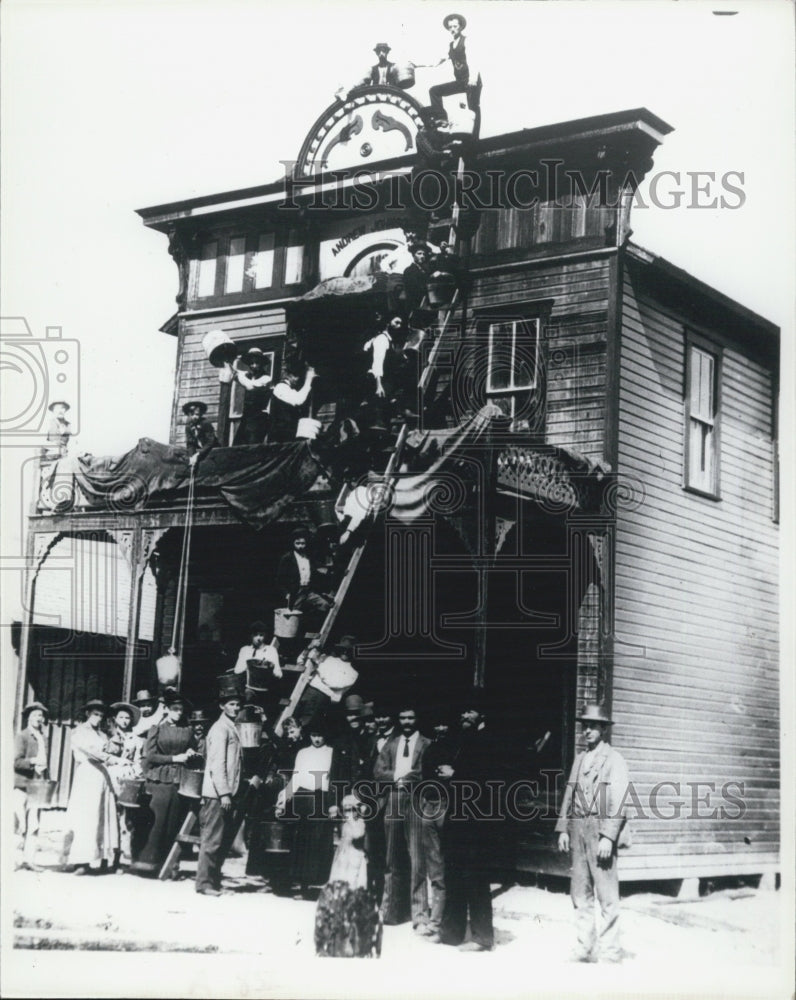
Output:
x,y
112,106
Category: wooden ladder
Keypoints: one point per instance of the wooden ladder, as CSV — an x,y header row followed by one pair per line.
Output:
x,y
186,835
390,477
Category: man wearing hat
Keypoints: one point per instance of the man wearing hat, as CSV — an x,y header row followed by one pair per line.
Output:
x,y
591,825
466,76
219,787
257,387
288,404
30,762
416,275
296,577
384,73
200,434
259,661
152,712
59,430
351,747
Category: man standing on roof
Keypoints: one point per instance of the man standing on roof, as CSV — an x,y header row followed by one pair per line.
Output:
x,y
257,385
200,434
466,76
592,824
287,404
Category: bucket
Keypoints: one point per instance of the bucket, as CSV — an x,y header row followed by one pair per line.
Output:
x,y
462,122
250,733
219,348
191,783
41,791
131,792
309,428
169,669
441,288
286,623
275,836
405,75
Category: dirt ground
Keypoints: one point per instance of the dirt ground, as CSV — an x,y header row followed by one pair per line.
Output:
x,y
118,935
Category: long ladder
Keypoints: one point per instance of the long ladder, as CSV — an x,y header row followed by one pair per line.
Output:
x,y
390,477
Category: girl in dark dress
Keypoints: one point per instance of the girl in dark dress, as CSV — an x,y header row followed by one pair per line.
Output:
x,y
168,746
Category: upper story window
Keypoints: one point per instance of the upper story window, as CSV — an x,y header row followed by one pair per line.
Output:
x,y
236,264
512,367
261,269
244,263
702,418
206,279
294,259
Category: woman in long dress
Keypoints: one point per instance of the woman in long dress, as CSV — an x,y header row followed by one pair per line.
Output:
x,y
308,790
92,838
347,919
168,746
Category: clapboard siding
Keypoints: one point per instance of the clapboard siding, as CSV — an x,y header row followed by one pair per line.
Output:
x,y
196,377
695,677
573,343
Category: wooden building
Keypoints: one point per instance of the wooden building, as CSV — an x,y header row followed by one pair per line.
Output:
x,y
620,541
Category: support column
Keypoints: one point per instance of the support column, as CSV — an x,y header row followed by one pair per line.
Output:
x,y
39,545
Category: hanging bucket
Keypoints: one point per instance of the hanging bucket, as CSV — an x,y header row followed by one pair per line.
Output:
x,y
286,623
308,428
191,783
169,669
275,837
405,75
131,792
249,733
441,288
219,348
41,791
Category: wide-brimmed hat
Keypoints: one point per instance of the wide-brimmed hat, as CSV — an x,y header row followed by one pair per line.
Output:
x,y
418,245
144,697
381,45
198,715
32,706
174,697
125,706
194,402
355,705
95,705
450,17
595,713
258,628
59,402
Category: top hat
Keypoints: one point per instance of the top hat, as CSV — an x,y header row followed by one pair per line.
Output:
x,y
35,705
381,45
258,627
123,706
143,697
95,704
194,402
450,17
595,713
228,687
198,715
59,402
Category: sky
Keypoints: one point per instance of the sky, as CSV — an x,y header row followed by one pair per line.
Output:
x,y
110,107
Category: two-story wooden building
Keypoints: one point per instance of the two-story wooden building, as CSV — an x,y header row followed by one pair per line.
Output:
x,y
614,538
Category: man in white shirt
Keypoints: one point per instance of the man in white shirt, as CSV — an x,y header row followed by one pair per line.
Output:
x,y
287,405
400,765
257,385
295,578
260,663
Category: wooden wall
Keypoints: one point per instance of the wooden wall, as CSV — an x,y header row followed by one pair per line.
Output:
x,y
196,378
695,686
573,343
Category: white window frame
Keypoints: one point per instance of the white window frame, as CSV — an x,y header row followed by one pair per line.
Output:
x,y
207,270
531,325
702,450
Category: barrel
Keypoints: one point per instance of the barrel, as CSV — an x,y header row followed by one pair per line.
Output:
x,y
41,791
275,836
308,428
441,287
404,75
286,623
219,348
131,792
249,733
191,783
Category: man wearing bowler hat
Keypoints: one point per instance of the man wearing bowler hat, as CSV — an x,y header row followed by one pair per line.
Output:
x,y
591,825
466,76
384,72
200,434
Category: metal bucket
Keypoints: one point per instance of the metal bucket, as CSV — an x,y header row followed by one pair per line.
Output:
x,y
405,75
275,837
41,791
441,288
169,668
308,428
250,733
286,623
219,348
131,792
191,783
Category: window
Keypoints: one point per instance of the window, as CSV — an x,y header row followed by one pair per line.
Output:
x,y
703,368
512,367
206,280
262,266
294,260
236,258
237,393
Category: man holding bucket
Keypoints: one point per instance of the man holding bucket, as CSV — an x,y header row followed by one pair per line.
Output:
x,y
30,766
260,663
